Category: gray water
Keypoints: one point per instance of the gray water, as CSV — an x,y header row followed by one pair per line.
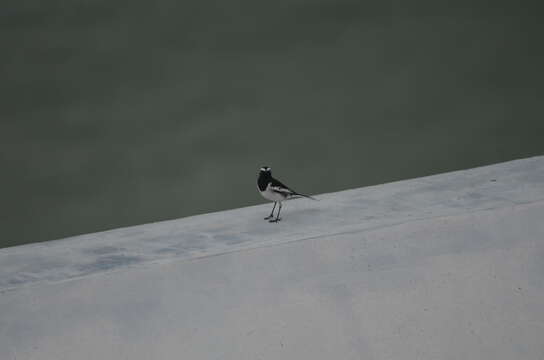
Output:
x,y
117,113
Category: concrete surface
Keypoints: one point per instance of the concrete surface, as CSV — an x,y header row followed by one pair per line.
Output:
x,y
443,267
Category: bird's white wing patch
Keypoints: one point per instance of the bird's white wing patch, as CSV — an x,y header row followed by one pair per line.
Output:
x,y
281,190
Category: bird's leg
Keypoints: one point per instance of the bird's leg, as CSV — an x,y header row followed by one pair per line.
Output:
x,y
277,216
272,213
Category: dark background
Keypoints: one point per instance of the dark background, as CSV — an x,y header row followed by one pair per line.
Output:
x,y
116,113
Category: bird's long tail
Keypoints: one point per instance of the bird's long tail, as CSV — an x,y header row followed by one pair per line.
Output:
x,y
306,196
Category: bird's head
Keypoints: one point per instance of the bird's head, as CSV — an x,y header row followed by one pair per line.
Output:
x,y
265,170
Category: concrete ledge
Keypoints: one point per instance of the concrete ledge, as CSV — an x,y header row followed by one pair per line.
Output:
x,y
442,267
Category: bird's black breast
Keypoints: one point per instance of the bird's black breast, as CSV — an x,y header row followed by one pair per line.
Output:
x,y
262,182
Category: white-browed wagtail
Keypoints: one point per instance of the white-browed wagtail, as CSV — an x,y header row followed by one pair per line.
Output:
x,y
273,190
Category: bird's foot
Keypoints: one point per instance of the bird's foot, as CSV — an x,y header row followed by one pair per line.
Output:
x,y
269,217
275,220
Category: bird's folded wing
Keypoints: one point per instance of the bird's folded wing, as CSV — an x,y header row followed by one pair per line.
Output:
x,y
282,190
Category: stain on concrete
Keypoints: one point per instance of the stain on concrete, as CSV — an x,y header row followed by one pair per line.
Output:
x,y
109,263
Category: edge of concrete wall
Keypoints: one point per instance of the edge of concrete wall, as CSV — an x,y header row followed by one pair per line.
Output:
x,y
351,211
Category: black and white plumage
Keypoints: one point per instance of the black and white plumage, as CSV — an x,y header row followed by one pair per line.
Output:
x,y
273,190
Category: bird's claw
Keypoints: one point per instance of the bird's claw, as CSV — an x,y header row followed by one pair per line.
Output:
x,y
268,217
275,220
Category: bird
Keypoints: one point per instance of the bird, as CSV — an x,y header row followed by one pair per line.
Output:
x,y
273,190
